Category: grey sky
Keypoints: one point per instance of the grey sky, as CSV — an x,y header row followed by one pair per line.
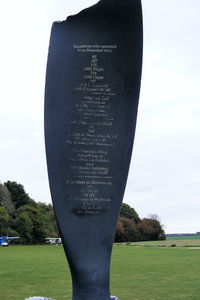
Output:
x,y
165,171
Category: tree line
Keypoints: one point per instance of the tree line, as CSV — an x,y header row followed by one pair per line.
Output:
x,y
130,228
34,221
21,216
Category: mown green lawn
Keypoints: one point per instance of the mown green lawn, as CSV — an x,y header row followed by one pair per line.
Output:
x,y
137,273
168,243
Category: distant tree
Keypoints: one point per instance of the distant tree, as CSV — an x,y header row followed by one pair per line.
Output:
x,y
4,218
45,207
129,212
51,226
126,231
130,231
53,232
131,228
31,224
18,195
5,199
151,229
22,216
119,235
25,227
145,232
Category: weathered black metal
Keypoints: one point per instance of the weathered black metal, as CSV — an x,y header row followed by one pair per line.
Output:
x,y
91,99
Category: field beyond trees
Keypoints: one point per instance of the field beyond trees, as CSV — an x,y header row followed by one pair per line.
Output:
x,y
137,273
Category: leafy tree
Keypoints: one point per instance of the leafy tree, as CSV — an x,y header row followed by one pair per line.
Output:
x,y
18,195
155,230
4,218
119,235
129,212
31,224
145,231
131,228
24,227
45,207
51,226
5,199
128,231
22,216
53,232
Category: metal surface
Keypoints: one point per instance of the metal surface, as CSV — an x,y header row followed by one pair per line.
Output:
x,y
91,99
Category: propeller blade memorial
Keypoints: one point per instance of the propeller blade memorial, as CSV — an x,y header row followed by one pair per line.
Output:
x,y
91,100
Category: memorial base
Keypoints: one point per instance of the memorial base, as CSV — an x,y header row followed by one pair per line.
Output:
x,y
38,298
44,298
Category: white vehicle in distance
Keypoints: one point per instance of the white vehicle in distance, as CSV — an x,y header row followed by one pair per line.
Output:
x,y
54,241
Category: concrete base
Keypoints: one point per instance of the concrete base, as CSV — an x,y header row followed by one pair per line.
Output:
x,y
38,298
44,298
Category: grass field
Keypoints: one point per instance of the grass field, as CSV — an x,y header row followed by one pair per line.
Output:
x,y
184,237
137,273
189,243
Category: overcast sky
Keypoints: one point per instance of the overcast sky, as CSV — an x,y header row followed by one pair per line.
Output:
x,y
165,170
